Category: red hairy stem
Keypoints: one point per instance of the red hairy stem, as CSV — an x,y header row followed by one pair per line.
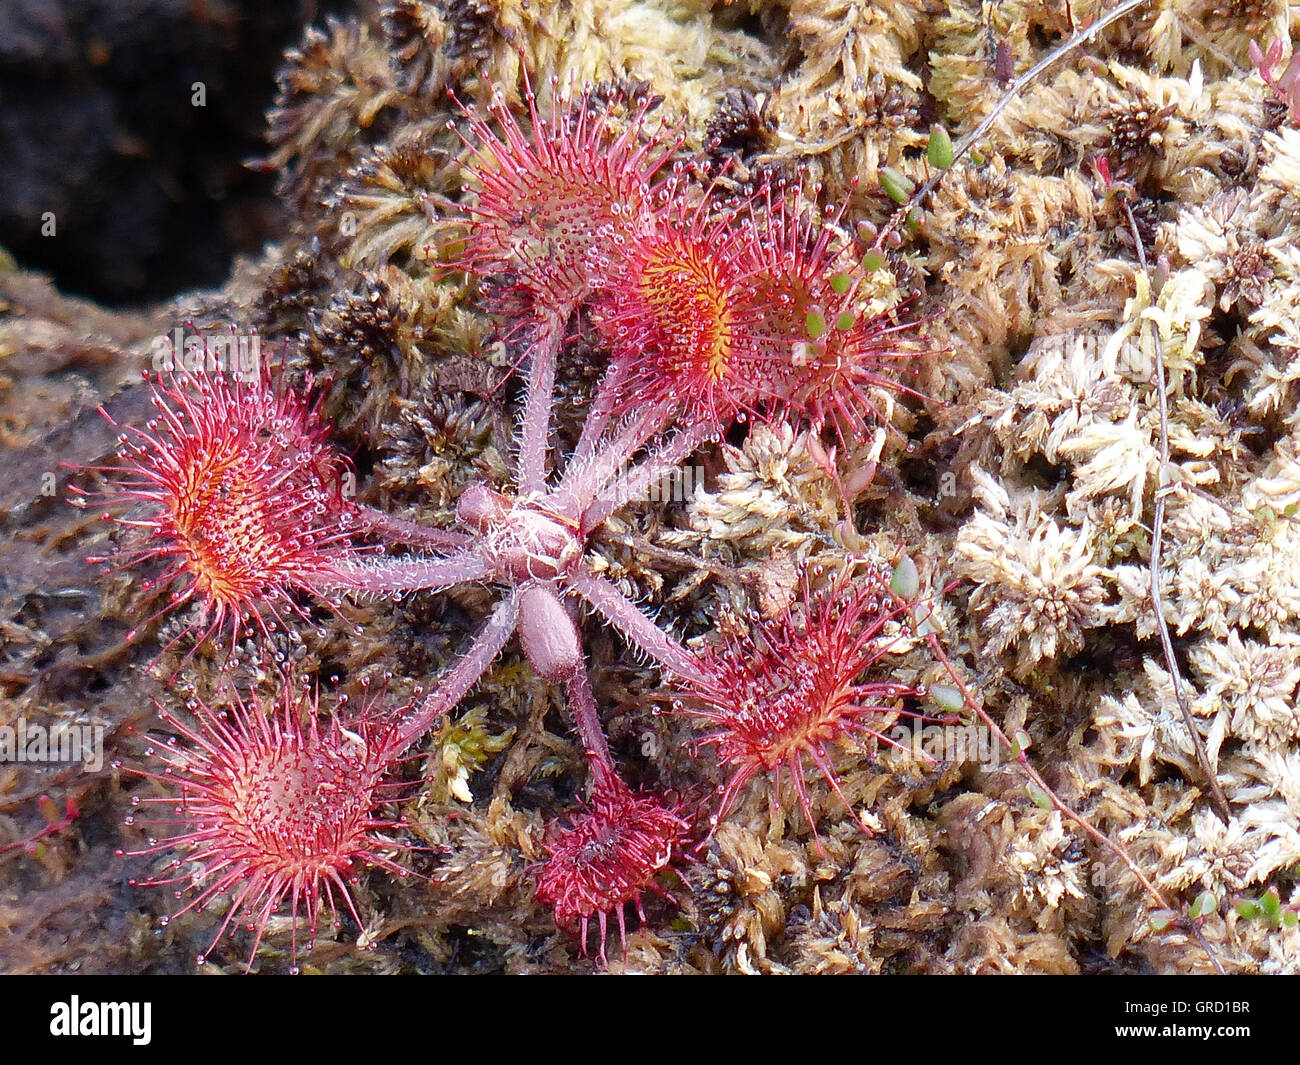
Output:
x,y
543,350
582,703
53,823
601,410
585,481
642,633
393,576
634,483
464,673
413,533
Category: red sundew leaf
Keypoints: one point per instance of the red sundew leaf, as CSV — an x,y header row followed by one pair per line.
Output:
x,y
675,309
793,685
234,487
271,808
609,854
546,201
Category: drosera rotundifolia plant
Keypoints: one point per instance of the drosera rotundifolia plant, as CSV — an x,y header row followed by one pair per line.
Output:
x,y
707,322
684,471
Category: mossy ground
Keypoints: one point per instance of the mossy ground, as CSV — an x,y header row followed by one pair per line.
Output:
x,y
1031,475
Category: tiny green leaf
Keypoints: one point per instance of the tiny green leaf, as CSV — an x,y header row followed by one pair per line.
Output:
x,y
1038,796
1248,908
1270,903
815,323
872,261
897,185
1205,903
946,697
845,321
841,283
905,582
939,151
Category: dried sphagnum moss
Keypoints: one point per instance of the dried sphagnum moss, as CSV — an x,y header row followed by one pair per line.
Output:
x,y
1047,399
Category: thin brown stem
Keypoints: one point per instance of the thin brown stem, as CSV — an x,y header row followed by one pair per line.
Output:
x,y
682,560
1016,88
1218,799
1059,804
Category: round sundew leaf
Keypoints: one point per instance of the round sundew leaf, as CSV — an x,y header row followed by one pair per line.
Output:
x,y
288,810
779,694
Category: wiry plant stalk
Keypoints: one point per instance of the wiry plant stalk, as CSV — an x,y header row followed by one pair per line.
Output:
x,y
1218,799
923,191
1047,791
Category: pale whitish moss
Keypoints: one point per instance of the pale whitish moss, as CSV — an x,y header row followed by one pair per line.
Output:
x,y
1036,586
